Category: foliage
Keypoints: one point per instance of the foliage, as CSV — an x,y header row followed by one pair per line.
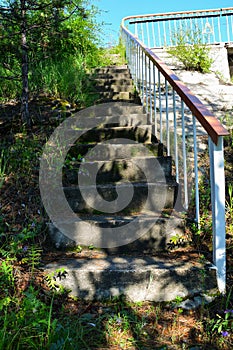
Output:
x,y
33,32
119,52
189,49
65,78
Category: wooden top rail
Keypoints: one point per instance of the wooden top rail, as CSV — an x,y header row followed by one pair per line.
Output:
x,y
209,122
219,12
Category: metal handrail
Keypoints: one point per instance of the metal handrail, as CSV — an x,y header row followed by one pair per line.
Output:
x,y
184,13
215,26
148,71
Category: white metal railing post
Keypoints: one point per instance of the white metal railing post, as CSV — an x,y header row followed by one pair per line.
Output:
x,y
197,198
217,180
184,155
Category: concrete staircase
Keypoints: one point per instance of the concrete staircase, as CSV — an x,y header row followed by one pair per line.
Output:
x,y
119,181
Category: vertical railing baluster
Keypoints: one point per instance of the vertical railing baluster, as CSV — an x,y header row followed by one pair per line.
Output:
x,y
150,91
228,29
167,119
136,29
143,83
184,154
170,32
219,31
213,29
159,34
146,83
217,179
153,33
155,112
197,202
148,34
164,35
142,33
175,137
175,32
160,108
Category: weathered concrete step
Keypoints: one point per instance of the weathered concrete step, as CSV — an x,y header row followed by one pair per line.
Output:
x,y
111,109
137,278
109,82
127,197
117,120
117,149
144,233
124,74
133,99
121,95
114,88
112,69
140,169
140,133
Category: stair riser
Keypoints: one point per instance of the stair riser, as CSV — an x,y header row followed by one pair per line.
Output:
x,y
114,88
112,70
131,120
114,151
146,197
112,109
139,169
113,75
110,82
139,134
156,234
122,95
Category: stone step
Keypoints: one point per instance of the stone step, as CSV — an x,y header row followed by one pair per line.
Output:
x,y
141,278
114,88
112,69
140,133
111,109
114,96
109,82
117,149
113,75
137,169
117,120
145,233
126,197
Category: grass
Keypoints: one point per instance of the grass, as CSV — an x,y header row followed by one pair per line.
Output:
x,y
36,314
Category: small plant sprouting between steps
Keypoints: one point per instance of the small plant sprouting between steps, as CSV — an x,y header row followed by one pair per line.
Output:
x,y
189,49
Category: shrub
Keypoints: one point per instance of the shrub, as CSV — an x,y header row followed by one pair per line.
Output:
x,y
189,49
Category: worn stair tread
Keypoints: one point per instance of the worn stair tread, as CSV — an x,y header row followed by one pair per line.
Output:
x,y
137,278
117,120
143,169
140,133
112,108
114,88
115,150
130,196
109,82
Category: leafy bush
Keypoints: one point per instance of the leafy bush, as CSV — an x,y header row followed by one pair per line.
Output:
x,y
189,49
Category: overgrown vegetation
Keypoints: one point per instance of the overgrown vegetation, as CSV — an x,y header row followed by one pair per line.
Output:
x,y
190,51
46,46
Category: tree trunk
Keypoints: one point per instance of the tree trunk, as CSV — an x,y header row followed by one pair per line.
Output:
x,y
24,98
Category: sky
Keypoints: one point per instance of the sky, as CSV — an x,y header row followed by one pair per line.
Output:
x,y
112,11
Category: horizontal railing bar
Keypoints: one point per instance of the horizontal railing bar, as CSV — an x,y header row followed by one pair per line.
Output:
x,y
177,18
209,122
221,10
